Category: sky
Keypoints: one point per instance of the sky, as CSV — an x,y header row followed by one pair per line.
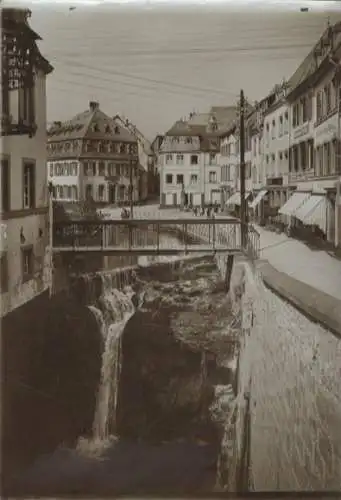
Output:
x,y
157,63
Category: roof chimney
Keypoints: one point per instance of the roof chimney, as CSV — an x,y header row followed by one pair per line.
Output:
x,y
93,105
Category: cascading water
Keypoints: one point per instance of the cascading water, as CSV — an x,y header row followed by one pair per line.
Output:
x,y
118,308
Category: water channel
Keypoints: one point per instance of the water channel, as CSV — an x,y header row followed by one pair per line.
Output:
x,y
167,367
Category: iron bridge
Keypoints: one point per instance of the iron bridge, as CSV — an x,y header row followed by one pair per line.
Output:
x,y
146,237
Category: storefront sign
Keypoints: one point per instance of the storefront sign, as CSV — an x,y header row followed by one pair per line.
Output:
x,y
301,131
327,131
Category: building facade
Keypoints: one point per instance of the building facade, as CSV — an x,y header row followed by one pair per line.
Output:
x,y
180,165
24,197
314,170
149,178
189,159
229,162
92,156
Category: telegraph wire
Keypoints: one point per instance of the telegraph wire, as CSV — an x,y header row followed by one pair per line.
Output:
x,y
192,88
215,50
179,90
142,78
76,84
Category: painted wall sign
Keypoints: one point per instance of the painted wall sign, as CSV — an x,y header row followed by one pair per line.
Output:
x,y
301,131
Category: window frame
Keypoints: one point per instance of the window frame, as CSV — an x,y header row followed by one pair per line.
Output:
x,y
30,274
197,160
5,207
178,176
32,185
101,187
4,277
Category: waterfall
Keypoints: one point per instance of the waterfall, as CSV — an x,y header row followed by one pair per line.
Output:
x,y
116,309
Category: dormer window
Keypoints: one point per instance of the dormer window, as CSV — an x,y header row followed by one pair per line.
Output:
x,y
122,148
116,130
107,129
95,127
100,147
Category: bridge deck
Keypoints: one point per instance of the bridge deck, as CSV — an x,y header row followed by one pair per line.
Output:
x,y
147,250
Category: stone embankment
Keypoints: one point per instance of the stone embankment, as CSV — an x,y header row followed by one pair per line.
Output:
x,y
315,304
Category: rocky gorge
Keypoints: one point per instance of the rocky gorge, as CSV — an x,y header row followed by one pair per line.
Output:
x,y
169,349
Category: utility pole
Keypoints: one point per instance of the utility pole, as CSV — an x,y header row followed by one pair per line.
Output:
x,y
242,169
50,194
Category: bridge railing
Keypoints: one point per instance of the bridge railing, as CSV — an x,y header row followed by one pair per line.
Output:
x,y
147,236
138,234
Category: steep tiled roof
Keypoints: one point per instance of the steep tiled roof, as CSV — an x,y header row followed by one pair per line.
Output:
x,y
130,127
305,69
90,124
223,115
182,128
308,67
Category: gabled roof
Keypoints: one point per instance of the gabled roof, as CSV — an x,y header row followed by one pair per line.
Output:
x,y
182,128
309,65
222,115
130,127
90,124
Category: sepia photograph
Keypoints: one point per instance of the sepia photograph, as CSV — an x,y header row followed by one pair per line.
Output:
x,y
170,249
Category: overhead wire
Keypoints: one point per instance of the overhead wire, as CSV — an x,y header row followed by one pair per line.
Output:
x,y
148,87
183,87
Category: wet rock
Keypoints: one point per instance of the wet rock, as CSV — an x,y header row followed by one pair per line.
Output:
x,y
162,393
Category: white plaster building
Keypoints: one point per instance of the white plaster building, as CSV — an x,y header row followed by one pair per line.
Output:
x,y
315,138
91,156
181,167
24,197
229,162
189,158
149,179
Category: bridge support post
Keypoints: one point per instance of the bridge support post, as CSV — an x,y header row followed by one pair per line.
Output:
x,y
228,272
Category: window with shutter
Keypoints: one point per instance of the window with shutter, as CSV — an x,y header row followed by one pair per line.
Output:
x,y
3,273
5,185
29,180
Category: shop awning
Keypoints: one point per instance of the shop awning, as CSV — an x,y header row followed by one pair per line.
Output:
x,y
293,203
258,198
235,198
314,212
